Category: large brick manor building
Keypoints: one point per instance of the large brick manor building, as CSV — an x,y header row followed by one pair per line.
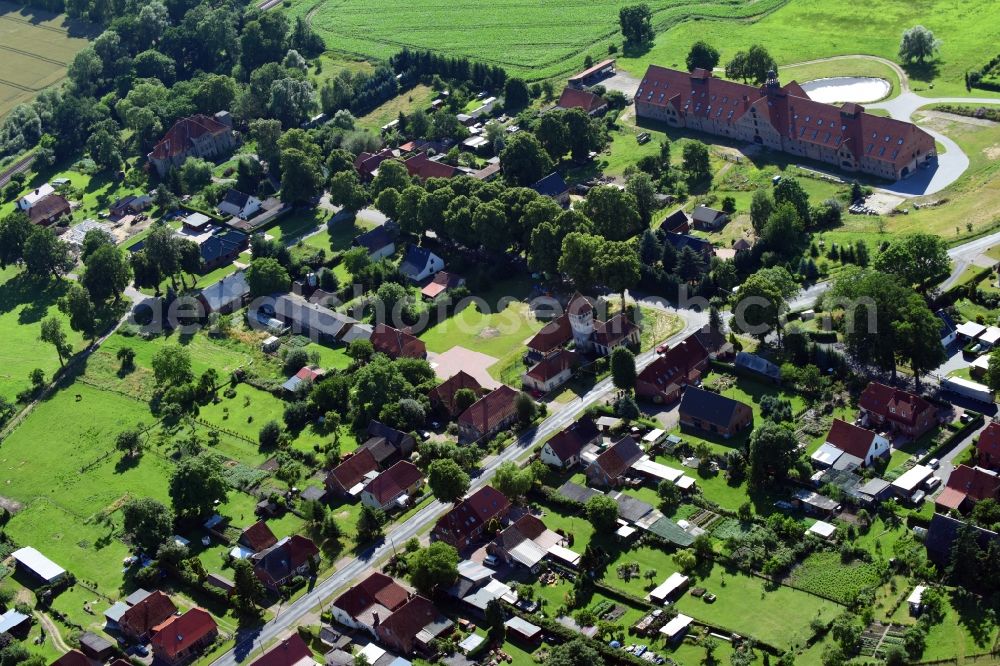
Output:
x,y
784,118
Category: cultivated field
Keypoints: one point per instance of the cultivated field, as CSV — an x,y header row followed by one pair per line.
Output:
x,y
534,39
36,47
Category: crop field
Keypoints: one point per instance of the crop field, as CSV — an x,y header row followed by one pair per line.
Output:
x,y
825,575
537,40
35,50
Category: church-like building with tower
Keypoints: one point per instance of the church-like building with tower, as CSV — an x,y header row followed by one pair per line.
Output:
x,y
782,117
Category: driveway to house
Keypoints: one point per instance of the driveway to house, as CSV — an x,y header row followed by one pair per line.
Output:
x,y
950,460
287,619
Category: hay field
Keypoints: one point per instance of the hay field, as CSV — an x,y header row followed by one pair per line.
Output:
x,y
36,47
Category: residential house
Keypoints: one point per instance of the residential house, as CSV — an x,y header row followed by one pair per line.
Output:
x,y
564,449
882,406
681,365
48,210
182,638
965,487
988,447
25,203
380,242
394,487
677,222
239,204
413,627
526,542
441,283
949,332
593,74
611,466
137,622
131,204
619,331
419,263
555,334
291,651
588,102
314,320
422,167
292,556
465,523
942,533
697,245
395,343
759,366
367,164
388,445
258,537
715,342
708,219
551,372
194,136
349,477
367,603
227,295
848,438
784,118
579,324
488,415
554,187
488,173
713,413
442,396
221,248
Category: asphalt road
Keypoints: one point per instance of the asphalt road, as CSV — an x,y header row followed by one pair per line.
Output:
x,y
287,618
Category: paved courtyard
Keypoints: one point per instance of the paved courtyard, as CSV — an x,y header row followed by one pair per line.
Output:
x,y
475,363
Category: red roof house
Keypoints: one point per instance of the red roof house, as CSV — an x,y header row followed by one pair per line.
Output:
x,y
292,556
292,651
553,335
609,468
48,209
489,415
258,537
138,621
367,163
195,136
663,380
966,486
884,406
441,283
397,344
858,442
552,371
73,658
590,103
347,478
464,524
179,639
988,447
422,167
366,604
399,482
413,627
564,449
442,397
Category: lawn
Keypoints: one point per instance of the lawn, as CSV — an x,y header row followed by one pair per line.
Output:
x,y
965,630
495,334
23,306
658,326
38,47
530,39
802,30
417,98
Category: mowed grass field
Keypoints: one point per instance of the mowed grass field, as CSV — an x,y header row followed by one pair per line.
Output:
x,y
36,47
536,40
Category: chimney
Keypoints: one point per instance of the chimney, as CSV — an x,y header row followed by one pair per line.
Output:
x,y
375,619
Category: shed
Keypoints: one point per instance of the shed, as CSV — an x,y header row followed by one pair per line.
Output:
x,y
95,647
677,627
915,600
523,629
823,530
113,614
38,565
11,620
270,344
670,587
470,643
907,484
564,555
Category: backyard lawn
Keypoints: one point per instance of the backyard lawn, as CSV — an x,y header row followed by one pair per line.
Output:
x,y
493,334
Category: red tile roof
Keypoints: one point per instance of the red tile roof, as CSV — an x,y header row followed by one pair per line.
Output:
x,y
675,368
393,481
579,304
568,442
893,404
977,484
368,163
73,658
401,628
376,589
178,138
423,167
151,611
473,512
48,208
288,652
309,373
851,439
351,471
442,281
552,365
525,528
491,410
258,537
619,457
593,69
556,333
395,343
572,98
789,111
180,632
444,394
989,446
614,330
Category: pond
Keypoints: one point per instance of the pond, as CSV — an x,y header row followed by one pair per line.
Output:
x,y
859,89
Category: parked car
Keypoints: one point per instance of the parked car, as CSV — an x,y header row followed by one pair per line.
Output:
x,y
934,463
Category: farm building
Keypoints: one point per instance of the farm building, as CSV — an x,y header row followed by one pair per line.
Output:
x,y
593,74
714,413
40,567
195,136
784,118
